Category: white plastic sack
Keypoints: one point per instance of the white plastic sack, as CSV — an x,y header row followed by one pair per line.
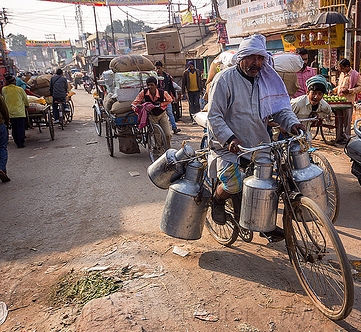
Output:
x,y
287,62
108,77
127,94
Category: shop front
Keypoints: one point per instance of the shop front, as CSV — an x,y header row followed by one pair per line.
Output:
x,y
316,41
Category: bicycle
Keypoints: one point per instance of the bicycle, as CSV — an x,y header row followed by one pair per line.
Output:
x,y
313,245
151,136
66,111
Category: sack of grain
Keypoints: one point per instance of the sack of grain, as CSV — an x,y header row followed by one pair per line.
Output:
x,y
134,62
121,108
127,94
42,91
40,81
108,102
36,108
287,62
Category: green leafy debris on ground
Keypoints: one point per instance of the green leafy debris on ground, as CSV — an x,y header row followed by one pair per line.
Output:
x,y
80,288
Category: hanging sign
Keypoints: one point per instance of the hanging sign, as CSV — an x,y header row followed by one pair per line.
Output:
x,y
46,43
112,2
314,38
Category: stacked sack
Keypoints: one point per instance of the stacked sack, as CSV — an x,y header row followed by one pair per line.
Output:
x,y
36,105
124,80
286,65
40,84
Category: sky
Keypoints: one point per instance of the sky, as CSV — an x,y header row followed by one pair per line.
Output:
x,y
35,19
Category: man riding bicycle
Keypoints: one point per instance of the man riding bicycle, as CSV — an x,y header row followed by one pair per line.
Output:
x,y
242,97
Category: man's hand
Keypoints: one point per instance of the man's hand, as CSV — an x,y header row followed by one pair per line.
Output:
x,y
233,146
297,127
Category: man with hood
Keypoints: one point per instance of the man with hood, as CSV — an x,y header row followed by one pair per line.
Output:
x,y
242,98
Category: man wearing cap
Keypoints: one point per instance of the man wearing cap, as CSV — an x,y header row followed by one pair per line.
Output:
x,y
16,101
192,84
166,84
312,105
242,98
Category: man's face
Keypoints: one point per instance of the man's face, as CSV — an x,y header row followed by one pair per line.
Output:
x,y
251,64
344,69
314,97
305,58
159,69
191,67
152,87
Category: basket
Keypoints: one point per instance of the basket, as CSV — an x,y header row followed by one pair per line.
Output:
x,y
130,119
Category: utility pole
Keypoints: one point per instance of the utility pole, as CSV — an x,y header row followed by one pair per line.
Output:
x,y
79,21
112,28
129,34
96,29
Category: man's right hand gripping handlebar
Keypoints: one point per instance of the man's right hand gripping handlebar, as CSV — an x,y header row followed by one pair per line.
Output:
x,y
233,145
295,129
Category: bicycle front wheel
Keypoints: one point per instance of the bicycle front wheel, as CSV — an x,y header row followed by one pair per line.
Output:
x,y
157,142
228,233
319,258
333,191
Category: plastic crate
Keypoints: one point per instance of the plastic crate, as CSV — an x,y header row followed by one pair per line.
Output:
x,y
129,119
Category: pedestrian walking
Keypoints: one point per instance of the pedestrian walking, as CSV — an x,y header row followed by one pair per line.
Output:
x,y
304,74
192,85
4,137
16,101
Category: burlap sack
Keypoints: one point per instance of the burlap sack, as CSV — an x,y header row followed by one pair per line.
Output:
x,y
43,92
127,141
108,103
40,81
133,62
120,108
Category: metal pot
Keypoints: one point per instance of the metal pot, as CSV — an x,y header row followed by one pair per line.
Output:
x,y
170,166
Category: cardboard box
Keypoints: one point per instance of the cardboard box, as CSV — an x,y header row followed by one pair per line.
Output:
x,y
162,42
155,57
175,71
175,59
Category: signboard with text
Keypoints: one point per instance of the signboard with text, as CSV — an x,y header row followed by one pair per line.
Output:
x,y
112,2
314,38
41,43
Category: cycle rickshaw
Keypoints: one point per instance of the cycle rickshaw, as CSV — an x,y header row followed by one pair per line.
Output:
x,y
40,116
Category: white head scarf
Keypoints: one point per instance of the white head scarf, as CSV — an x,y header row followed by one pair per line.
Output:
x,y
272,91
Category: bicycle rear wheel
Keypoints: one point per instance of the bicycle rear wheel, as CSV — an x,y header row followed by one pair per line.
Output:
x,y
109,137
328,129
157,142
97,121
319,258
333,191
50,123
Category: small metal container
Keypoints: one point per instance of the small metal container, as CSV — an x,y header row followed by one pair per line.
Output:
x,y
170,166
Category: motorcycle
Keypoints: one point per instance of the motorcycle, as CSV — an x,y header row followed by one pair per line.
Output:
x,y
353,150
88,86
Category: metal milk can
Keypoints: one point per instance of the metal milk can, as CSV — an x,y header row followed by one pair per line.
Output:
x,y
259,198
308,177
170,166
186,205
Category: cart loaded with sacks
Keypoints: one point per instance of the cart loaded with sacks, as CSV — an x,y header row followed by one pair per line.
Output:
x,y
122,78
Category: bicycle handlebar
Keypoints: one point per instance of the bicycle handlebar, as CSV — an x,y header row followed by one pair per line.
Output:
x,y
269,145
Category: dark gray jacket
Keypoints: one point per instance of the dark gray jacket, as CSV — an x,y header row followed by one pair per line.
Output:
x,y
58,87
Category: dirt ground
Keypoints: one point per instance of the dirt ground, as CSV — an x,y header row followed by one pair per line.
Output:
x,y
69,207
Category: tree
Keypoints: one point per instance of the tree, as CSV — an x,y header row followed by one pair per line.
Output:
x,y
16,42
122,27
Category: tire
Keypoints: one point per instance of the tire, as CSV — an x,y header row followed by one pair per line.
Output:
x,y
333,191
109,137
228,233
50,123
328,129
156,140
70,113
61,116
315,128
319,258
97,121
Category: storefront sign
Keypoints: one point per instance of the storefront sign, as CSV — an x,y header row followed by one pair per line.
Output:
x,y
40,43
112,2
314,38
263,16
